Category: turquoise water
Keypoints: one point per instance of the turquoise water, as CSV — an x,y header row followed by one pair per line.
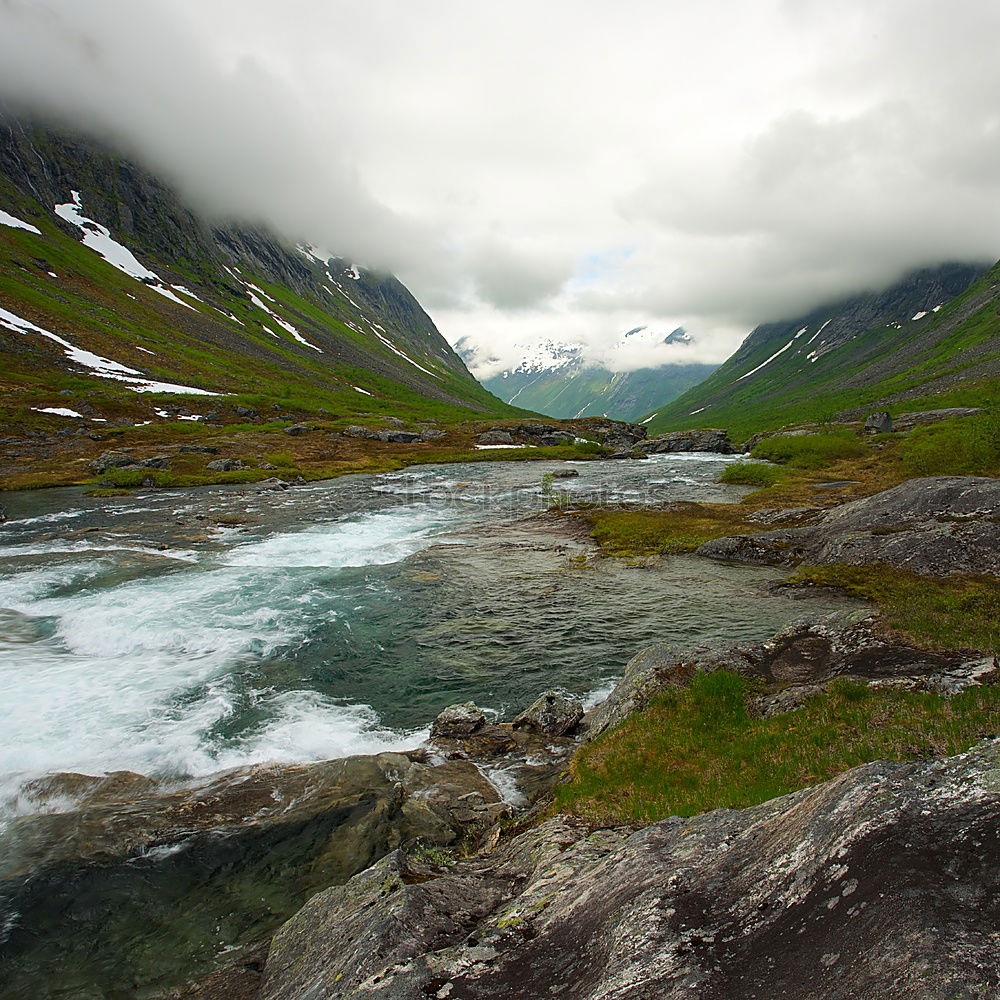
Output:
x,y
178,633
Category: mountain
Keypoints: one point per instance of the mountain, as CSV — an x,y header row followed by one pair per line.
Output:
x,y
559,380
117,299
933,336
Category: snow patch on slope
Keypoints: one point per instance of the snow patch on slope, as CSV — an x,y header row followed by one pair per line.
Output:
x,y
6,219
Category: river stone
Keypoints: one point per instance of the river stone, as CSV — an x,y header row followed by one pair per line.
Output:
x,y
882,882
937,525
106,884
457,721
552,713
564,474
850,644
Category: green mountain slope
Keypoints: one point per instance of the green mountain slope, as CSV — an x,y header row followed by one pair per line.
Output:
x,y
110,288
932,339
582,391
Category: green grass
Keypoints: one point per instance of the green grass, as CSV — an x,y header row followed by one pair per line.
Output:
x,y
699,748
944,612
752,474
966,446
682,527
811,451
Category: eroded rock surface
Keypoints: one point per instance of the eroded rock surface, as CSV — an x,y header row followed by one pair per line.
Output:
x,y
138,885
795,663
938,525
712,440
884,882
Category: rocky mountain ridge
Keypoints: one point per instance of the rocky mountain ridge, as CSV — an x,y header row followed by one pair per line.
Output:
x,y
935,331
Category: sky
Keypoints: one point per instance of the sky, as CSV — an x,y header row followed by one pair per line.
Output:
x,y
560,170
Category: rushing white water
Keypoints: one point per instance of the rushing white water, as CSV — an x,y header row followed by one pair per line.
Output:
x,y
335,621
135,676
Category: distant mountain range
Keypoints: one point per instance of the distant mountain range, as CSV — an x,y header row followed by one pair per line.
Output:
x,y
932,338
558,379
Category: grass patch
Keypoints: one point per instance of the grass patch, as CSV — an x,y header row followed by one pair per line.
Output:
x,y
934,611
811,451
681,527
752,474
280,459
699,748
967,446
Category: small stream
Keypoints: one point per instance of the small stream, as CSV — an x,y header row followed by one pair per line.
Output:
x,y
178,633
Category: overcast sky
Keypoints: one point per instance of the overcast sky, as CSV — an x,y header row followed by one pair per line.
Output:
x,y
560,169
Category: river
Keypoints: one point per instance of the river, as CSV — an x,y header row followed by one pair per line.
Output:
x,y
177,633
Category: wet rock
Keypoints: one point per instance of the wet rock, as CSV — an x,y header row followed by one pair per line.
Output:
x,y
98,884
882,882
879,423
936,526
274,484
565,474
553,714
109,460
458,721
495,437
296,429
225,465
713,440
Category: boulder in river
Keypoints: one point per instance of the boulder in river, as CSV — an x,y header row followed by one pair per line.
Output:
x,y
458,721
711,440
882,882
552,713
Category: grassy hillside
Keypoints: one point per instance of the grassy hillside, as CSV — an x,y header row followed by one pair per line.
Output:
x,y
231,312
931,341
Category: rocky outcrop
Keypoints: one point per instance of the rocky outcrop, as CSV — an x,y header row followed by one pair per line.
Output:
x,y
795,663
107,886
716,441
939,525
878,423
552,713
882,882
907,421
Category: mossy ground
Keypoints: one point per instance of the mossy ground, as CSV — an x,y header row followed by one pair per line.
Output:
x,y
700,748
944,612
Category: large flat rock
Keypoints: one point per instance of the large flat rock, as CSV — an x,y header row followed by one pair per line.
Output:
x,y
884,882
939,525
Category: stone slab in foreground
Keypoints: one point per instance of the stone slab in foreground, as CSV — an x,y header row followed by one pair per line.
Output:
x,y
884,882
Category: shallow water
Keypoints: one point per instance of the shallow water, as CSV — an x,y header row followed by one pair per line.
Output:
x,y
179,633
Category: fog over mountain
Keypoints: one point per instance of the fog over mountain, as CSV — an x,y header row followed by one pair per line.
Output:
x,y
562,172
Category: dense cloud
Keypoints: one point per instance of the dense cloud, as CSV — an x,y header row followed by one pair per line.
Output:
x,y
561,171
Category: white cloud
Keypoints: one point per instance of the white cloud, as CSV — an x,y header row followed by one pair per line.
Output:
x,y
567,169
